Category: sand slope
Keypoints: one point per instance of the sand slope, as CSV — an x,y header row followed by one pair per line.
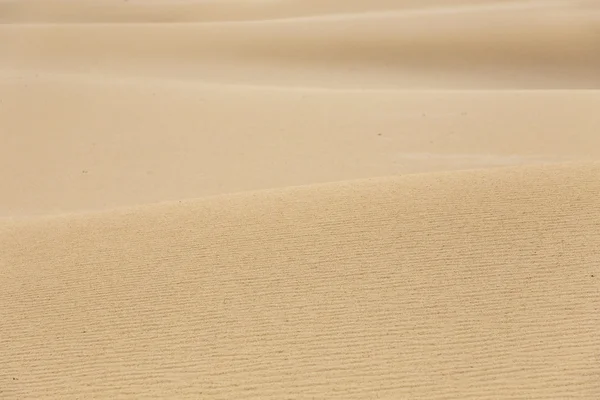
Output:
x,y
479,284
123,143
538,45
255,199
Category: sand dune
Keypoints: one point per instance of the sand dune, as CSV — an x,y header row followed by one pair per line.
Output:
x,y
478,47
121,143
472,284
299,199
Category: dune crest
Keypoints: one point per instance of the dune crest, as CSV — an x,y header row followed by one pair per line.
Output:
x,y
485,44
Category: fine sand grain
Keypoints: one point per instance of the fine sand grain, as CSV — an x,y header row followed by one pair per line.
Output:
x,y
299,199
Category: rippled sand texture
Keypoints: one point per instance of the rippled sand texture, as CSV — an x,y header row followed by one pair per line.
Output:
x,y
298,199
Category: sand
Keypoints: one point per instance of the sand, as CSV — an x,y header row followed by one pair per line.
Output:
x,y
285,199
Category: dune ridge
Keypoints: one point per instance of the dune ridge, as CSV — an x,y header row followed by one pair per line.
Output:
x,y
70,11
552,45
119,142
473,284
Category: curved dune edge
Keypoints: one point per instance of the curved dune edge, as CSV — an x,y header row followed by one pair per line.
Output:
x,y
484,44
474,284
145,11
89,142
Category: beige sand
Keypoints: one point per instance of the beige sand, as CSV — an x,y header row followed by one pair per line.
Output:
x,y
299,199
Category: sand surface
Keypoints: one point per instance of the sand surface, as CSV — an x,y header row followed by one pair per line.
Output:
x,y
299,199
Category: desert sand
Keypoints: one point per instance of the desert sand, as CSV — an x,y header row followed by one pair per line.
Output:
x,y
299,199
